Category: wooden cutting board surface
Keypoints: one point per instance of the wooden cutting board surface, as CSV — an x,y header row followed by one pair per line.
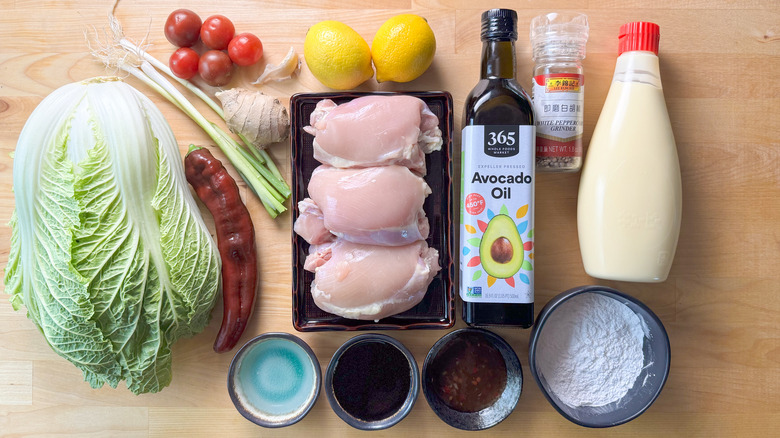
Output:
x,y
720,64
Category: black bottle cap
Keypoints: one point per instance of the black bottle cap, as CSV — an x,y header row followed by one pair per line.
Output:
x,y
499,25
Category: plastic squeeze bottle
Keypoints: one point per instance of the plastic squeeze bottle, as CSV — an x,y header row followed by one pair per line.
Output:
x,y
630,196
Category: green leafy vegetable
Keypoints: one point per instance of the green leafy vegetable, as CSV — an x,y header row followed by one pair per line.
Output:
x,y
109,253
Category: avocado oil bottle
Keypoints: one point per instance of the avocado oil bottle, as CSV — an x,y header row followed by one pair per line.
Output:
x,y
497,186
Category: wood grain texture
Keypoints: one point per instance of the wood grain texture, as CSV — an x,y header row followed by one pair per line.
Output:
x,y
720,63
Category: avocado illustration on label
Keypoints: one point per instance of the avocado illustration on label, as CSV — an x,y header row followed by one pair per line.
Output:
x,y
501,249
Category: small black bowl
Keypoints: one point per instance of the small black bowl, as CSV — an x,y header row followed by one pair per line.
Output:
x,y
648,385
393,416
491,415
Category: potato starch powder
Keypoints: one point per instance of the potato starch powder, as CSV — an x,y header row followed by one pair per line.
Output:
x,y
590,350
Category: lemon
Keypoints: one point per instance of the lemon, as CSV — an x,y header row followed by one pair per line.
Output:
x,y
337,55
403,48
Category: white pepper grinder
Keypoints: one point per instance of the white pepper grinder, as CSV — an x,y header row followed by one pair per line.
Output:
x,y
630,197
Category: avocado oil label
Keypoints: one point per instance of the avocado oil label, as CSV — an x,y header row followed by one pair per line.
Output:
x,y
497,213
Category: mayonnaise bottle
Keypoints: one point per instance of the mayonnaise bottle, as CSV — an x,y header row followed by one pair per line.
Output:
x,y
630,197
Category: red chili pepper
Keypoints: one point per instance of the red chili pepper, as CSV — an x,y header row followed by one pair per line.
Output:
x,y
235,239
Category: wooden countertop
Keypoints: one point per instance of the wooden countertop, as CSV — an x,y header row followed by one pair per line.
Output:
x,y
720,63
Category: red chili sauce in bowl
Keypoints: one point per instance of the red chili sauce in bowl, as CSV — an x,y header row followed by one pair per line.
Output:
x,y
469,375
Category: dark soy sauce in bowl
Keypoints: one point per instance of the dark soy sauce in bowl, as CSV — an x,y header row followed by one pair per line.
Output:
x,y
371,380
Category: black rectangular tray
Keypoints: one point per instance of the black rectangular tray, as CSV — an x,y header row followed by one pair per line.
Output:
x,y
437,309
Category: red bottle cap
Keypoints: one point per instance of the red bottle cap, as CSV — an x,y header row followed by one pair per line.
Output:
x,y
639,36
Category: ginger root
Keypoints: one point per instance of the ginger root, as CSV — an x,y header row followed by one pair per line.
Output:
x,y
259,118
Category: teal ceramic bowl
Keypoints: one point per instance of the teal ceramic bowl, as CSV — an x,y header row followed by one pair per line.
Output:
x,y
274,380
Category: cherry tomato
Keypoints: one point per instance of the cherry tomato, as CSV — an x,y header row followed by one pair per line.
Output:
x,y
245,49
184,62
216,32
215,68
182,28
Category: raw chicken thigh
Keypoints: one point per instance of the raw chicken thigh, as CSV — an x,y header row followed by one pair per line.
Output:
x,y
370,282
375,205
375,131
311,224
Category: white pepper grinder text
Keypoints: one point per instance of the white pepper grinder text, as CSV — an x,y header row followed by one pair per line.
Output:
x,y
630,198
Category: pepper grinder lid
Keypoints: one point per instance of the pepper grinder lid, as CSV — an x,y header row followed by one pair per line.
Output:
x,y
639,36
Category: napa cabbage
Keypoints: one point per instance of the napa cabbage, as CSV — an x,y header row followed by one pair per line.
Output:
x,y
109,253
